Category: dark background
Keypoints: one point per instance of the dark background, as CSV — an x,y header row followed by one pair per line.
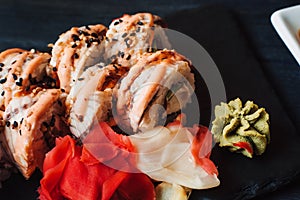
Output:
x,y
35,23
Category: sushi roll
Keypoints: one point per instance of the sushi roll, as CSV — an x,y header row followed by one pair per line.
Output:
x,y
76,50
90,98
158,85
29,102
31,124
21,71
131,35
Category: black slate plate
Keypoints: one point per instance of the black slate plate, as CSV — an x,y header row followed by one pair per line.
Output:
x,y
241,178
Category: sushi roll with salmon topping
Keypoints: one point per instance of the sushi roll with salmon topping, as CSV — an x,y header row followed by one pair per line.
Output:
x,y
132,35
158,85
75,50
90,98
21,71
31,109
32,122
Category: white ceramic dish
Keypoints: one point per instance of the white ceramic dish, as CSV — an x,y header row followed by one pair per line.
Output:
x,y
287,24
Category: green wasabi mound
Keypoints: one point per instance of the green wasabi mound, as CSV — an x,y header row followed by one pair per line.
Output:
x,y
241,128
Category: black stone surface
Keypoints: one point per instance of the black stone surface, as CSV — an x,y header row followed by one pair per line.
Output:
x,y
241,40
241,177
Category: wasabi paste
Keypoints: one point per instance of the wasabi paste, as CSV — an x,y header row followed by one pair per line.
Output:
x,y
241,128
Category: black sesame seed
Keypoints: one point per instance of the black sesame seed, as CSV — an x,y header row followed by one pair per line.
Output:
x,y
19,83
21,121
75,37
80,118
87,27
100,66
14,62
138,29
0,69
120,20
116,23
3,80
95,35
15,124
2,93
115,67
113,57
121,54
140,23
124,35
1,64
132,34
85,33
62,89
80,79
7,123
81,32
15,77
54,69
128,57
74,45
114,39
76,55
88,43
20,132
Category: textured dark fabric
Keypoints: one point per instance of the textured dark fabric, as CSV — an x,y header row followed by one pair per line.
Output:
x,y
240,40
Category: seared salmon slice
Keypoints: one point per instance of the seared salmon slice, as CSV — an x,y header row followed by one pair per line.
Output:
x,y
159,84
76,49
131,35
